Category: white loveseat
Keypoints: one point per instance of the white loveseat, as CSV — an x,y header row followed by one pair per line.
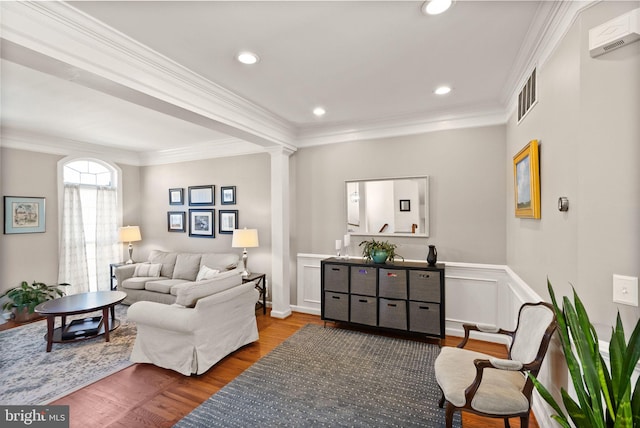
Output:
x,y
164,273
209,320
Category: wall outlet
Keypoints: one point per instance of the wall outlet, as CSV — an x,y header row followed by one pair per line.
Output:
x,y
625,290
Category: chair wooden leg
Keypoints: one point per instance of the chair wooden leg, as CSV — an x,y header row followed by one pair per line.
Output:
x,y
441,402
506,423
524,421
449,415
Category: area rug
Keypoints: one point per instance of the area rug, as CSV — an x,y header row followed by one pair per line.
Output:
x,y
331,377
29,375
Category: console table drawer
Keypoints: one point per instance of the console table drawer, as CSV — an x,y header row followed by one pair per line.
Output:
x,y
336,306
363,280
364,310
393,283
393,314
336,278
424,317
424,286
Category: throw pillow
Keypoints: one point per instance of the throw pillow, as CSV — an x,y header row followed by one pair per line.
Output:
x,y
148,270
206,273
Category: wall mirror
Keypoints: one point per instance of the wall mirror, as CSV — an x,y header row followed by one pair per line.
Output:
x,y
388,206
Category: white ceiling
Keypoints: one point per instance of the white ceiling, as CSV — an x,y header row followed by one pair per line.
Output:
x,y
366,62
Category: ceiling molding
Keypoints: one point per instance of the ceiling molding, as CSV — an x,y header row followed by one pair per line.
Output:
x,y
218,149
59,31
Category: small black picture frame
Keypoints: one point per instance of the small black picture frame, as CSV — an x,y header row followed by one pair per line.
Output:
x,y
405,204
227,221
228,195
202,195
176,196
202,223
176,221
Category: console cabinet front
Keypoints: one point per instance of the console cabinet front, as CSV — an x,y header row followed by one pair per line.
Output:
x,y
399,296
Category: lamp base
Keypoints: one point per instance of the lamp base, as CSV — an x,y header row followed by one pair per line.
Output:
x,y
245,258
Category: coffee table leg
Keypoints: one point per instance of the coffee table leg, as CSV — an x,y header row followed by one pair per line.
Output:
x,y
105,320
50,323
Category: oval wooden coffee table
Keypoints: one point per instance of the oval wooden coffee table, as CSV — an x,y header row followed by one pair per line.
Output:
x,y
81,304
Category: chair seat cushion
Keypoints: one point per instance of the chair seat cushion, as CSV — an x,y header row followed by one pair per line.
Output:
x,y
500,392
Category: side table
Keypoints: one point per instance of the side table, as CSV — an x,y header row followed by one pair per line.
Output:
x,y
112,274
261,286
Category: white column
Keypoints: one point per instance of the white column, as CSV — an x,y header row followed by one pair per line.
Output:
x,y
280,251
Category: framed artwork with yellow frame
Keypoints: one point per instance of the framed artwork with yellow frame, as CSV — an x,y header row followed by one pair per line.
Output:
x,y
526,175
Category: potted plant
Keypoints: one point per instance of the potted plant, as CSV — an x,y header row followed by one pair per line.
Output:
x,y
605,392
26,297
379,251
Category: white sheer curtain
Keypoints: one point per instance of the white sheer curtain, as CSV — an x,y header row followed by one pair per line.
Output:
x,y
106,239
73,267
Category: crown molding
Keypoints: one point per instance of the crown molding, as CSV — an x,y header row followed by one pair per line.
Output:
x,y
218,149
59,31
409,125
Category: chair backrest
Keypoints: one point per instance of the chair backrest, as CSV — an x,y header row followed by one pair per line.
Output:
x,y
536,324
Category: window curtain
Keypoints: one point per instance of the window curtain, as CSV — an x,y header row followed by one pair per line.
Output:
x,y
106,239
73,267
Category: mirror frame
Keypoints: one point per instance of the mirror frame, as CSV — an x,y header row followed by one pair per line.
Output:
x,y
410,235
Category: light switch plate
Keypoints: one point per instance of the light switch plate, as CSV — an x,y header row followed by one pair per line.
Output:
x,y
625,290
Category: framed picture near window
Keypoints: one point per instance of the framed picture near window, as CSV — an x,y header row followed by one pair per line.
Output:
x,y
405,204
202,195
228,195
176,196
24,215
526,175
202,223
176,221
227,221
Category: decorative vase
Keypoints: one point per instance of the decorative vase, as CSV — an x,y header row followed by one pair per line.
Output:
x,y
379,256
432,257
23,315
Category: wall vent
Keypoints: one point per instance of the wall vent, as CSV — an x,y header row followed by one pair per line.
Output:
x,y
528,96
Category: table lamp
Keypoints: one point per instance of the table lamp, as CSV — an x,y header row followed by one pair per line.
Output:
x,y
245,238
130,234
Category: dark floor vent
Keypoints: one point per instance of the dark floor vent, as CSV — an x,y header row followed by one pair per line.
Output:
x,y
528,96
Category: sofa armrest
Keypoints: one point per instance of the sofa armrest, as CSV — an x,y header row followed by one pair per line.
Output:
x,y
124,272
168,317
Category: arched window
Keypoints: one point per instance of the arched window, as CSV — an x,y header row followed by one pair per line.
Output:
x,y
89,217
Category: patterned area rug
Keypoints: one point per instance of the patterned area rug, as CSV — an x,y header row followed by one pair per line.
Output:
x,y
331,377
30,375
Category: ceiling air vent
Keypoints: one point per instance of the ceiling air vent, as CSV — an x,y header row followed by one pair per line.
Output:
x,y
528,96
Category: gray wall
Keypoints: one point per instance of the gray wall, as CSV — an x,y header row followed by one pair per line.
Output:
x,y
588,127
467,191
251,176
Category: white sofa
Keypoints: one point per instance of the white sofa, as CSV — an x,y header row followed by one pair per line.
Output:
x,y
209,320
164,273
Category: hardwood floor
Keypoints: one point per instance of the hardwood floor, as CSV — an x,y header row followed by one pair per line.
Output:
x,y
147,396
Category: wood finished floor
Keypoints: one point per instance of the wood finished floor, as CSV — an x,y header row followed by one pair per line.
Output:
x,y
147,396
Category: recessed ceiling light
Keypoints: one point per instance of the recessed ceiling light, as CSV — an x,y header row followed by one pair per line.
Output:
x,y
319,111
442,90
435,7
248,58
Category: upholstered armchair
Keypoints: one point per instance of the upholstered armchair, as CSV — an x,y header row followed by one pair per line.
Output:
x,y
496,387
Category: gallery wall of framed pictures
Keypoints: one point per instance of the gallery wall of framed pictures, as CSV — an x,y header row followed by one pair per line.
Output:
x,y
200,221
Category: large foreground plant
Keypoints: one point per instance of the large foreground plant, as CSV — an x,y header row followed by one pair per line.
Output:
x,y
605,399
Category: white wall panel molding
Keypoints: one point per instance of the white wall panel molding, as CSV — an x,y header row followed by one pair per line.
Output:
x,y
105,59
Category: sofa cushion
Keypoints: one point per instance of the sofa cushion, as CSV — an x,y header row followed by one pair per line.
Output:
x,y
168,261
147,269
206,273
187,266
162,286
188,294
220,261
138,282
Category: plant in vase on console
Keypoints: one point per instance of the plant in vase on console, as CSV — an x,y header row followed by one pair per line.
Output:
x,y
379,251
26,297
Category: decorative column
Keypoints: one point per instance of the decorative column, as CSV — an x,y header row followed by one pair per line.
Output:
x,y
280,251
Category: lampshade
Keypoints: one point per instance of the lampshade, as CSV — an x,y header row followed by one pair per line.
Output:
x,y
129,234
245,238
